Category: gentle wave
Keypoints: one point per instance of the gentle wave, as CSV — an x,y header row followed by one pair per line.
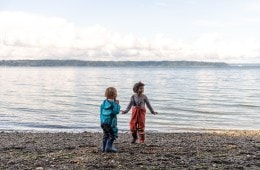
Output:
x,y
68,99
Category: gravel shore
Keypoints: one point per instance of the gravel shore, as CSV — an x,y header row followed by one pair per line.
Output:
x,y
211,150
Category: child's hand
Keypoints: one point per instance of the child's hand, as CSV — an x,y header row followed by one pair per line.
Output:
x,y
155,113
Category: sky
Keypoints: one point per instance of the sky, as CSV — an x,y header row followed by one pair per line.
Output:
x,y
131,30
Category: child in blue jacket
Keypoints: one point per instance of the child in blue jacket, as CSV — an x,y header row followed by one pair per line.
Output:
x,y
108,117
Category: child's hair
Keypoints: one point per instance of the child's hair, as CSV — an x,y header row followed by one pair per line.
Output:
x,y
111,93
137,86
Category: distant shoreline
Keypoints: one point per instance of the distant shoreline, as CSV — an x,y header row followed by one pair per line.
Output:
x,y
83,63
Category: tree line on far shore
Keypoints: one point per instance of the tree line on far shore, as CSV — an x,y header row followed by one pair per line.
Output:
x,y
82,63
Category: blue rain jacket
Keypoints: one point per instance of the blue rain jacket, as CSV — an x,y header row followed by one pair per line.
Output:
x,y
108,114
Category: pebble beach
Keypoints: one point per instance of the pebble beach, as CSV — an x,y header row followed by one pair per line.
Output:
x,y
187,150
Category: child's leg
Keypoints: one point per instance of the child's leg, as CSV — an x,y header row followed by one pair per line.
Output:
x,y
110,141
141,125
105,136
108,138
141,135
134,135
104,142
133,124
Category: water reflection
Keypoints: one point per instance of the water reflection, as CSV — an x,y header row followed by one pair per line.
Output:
x,y
68,99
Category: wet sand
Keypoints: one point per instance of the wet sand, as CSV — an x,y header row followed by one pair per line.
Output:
x,y
211,150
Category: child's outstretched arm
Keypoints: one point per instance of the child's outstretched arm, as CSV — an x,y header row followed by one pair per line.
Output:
x,y
149,106
129,106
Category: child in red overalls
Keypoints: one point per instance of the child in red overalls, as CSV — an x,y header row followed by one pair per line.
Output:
x,y
137,122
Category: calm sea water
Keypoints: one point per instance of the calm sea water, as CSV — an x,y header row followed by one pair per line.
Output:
x,y
67,99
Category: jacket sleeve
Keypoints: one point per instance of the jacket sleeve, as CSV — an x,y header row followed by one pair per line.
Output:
x,y
116,108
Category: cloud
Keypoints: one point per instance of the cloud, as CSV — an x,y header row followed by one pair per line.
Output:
x,y
30,36
161,4
214,46
252,6
206,23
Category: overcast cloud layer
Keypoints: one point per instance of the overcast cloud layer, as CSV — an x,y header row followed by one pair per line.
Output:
x,y
30,36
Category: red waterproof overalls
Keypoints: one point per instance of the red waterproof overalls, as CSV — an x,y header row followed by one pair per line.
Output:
x,y
137,123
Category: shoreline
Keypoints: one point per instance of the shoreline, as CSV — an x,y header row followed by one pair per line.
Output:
x,y
99,130
220,149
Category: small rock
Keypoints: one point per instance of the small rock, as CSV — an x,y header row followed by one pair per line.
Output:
x,y
39,168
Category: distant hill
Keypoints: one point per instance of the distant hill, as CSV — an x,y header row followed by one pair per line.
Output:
x,y
82,63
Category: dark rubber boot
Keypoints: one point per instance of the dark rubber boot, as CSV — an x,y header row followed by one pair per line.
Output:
x,y
109,146
141,138
104,143
134,135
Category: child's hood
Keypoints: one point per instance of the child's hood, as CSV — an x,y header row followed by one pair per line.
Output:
x,y
107,104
